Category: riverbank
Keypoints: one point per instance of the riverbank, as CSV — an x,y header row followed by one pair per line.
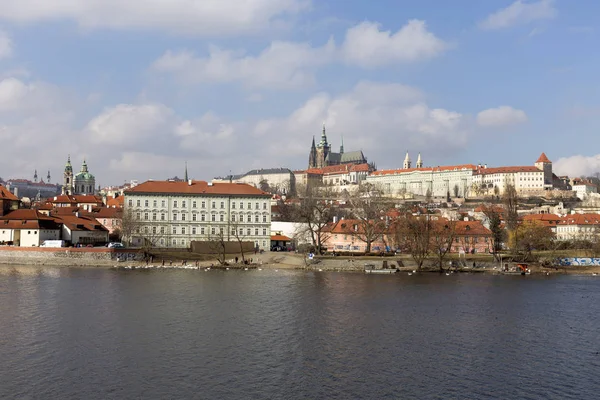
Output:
x,y
110,258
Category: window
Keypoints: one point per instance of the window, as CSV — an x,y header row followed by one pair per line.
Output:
x,y
203,217
130,203
241,205
154,203
139,203
249,206
145,203
264,218
249,218
162,241
256,218
264,206
249,231
174,231
232,217
163,203
162,229
256,206
221,218
154,230
174,216
233,231
213,204
222,204
202,231
203,204
153,216
241,231
264,231
233,205
212,230
183,217
194,204
194,230
213,217
162,216
183,230
183,203
175,203
194,217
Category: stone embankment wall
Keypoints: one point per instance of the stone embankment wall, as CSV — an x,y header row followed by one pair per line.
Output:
x,y
67,256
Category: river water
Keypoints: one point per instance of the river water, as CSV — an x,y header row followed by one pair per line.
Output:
x,y
69,333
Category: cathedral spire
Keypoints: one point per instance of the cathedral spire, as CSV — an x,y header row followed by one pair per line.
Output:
x,y
84,167
186,172
342,146
48,177
419,161
35,177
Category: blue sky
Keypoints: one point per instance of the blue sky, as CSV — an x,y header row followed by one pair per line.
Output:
x,y
138,88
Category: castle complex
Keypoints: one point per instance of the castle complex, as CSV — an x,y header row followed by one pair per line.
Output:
x,y
321,155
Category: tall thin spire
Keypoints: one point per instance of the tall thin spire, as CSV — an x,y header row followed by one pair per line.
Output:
x,y
342,146
48,177
35,177
186,172
419,161
407,162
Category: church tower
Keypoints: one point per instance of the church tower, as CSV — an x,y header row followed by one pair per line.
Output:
x,y
35,177
342,146
407,163
323,149
68,178
48,178
419,162
312,157
544,164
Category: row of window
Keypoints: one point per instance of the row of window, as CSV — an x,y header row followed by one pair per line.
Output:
x,y
201,231
183,242
195,204
213,217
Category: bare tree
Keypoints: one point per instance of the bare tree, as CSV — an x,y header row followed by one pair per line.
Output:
x,y
369,207
532,236
442,237
130,223
217,245
237,231
414,233
456,190
428,195
316,214
495,225
510,199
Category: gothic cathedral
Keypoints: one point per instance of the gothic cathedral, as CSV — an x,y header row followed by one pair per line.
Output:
x,y
321,155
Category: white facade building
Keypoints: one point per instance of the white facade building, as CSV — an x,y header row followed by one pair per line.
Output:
x,y
278,180
173,214
438,180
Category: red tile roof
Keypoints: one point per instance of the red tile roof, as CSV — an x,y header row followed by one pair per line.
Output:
x,y
545,219
427,169
5,194
471,228
506,170
117,202
25,214
280,238
543,159
197,187
580,219
83,223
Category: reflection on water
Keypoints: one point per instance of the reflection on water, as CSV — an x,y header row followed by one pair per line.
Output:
x,y
98,334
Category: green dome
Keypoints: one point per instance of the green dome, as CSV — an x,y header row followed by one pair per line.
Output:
x,y
84,176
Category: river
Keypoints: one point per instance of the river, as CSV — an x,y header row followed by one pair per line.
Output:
x,y
71,333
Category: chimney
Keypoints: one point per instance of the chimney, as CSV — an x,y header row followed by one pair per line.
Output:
x,y
189,182
485,166
77,214
335,219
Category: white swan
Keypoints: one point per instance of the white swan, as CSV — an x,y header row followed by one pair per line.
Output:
x,y
410,273
447,274
246,269
414,271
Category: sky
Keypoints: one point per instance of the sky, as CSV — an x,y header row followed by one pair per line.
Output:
x,y
138,88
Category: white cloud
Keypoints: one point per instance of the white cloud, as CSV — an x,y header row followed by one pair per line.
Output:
x,y
200,17
19,97
501,116
520,12
6,46
577,165
282,64
366,45
374,117
293,65
128,124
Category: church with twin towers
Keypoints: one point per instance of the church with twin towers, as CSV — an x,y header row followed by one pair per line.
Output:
x,y
321,154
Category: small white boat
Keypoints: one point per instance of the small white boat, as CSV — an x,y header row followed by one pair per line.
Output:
x,y
371,269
